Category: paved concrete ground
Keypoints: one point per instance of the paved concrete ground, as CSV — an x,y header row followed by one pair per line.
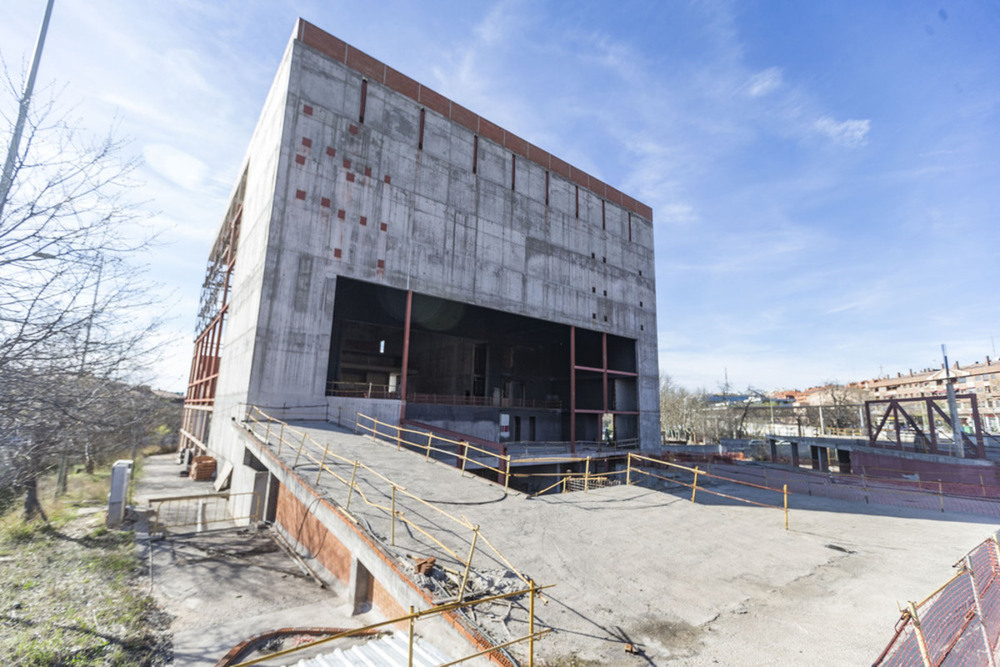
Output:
x,y
692,584
224,586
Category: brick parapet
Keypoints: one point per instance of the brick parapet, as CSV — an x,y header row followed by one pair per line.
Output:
x,y
379,72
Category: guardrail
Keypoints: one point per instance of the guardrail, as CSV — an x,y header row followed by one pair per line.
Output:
x,y
636,469
393,433
283,437
959,623
202,511
410,619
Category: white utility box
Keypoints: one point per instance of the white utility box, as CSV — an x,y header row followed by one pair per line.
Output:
x,y
121,475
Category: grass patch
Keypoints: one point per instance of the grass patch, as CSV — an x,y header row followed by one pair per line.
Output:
x,y
69,594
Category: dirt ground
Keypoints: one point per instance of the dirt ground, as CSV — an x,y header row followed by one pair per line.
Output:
x,y
223,586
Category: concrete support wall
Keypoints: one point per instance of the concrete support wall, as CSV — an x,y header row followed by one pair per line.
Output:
x,y
341,546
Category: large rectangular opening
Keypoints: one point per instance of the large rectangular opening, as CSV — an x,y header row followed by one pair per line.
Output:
x,y
466,364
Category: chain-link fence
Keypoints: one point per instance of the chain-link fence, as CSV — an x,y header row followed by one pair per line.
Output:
x,y
959,623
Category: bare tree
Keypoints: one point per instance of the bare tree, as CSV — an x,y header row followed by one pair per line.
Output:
x,y
679,409
74,310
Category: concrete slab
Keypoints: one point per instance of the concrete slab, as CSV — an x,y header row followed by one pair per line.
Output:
x,y
690,583
222,587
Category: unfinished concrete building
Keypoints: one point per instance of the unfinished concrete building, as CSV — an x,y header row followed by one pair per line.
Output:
x,y
388,251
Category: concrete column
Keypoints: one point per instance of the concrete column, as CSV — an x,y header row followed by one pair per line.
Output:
x,y
359,588
817,457
795,455
774,449
844,459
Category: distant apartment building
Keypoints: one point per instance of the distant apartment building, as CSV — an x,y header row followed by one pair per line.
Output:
x,y
981,379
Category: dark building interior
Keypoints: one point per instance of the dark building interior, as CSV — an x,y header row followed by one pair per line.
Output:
x,y
468,363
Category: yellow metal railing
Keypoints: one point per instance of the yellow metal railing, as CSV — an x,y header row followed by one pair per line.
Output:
x,y
306,447
201,511
586,480
410,619
634,468
371,426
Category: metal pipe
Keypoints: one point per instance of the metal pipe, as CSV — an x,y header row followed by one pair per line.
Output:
x,y
22,114
406,354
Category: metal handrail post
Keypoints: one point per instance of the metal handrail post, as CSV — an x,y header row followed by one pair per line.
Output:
x,y
694,487
322,463
785,491
301,447
392,529
468,563
350,491
921,641
979,611
281,437
531,624
413,620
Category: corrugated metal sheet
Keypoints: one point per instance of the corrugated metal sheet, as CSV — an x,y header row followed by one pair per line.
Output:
x,y
388,651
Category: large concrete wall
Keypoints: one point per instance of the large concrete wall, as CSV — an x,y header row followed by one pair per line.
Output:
x,y
263,167
363,200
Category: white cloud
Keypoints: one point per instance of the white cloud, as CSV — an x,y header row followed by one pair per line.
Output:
x,y
176,166
848,133
764,82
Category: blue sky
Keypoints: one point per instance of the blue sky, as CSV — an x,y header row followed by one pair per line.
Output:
x,y
825,177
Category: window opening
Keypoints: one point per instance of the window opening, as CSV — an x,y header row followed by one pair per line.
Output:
x,y
364,99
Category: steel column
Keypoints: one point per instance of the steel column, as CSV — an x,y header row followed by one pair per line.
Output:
x,y
572,390
406,355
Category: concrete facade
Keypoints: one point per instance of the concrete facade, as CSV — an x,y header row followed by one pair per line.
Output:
x,y
357,173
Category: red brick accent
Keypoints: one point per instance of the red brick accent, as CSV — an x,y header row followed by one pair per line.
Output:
x,y
383,227
331,151
402,83
364,221
579,177
307,142
368,171
350,177
342,214
353,129
300,194
336,253
302,525
347,163
381,264
322,41
395,80
464,117
435,101
536,154
515,144
559,166
490,131
388,180
300,159
387,604
324,202
612,195
364,63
